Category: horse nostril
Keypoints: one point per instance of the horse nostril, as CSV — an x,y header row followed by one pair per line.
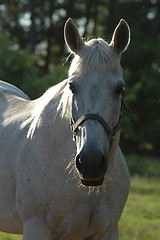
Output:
x,y
78,163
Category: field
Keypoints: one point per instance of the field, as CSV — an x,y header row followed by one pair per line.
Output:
x,y
141,217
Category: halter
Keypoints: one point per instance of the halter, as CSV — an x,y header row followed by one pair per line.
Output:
x,y
111,132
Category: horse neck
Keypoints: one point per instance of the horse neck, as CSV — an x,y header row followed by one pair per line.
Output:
x,y
52,119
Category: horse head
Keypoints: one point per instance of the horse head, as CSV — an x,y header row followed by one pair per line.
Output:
x,y
97,89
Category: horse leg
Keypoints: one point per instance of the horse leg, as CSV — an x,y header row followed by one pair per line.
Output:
x,y
113,234
36,228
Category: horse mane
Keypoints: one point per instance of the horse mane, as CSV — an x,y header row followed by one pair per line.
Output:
x,y
96,56
41,103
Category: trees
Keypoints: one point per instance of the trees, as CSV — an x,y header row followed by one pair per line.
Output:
x,y
38,26
141,63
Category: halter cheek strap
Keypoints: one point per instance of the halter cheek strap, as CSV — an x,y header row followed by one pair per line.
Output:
x,y
110,132
95,117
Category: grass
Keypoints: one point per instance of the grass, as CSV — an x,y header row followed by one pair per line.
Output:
x,y
141,216
5,236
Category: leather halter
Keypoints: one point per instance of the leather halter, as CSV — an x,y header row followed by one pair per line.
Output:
x,y
111,132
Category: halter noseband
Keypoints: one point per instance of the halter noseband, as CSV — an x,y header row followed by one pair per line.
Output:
x,y
110,132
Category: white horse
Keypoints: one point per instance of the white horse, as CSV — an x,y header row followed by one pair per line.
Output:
x,y
62,174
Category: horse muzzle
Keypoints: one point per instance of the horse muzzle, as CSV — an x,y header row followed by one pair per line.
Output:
x,y
92,182
92,164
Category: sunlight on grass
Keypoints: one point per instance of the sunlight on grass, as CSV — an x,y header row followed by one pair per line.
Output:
x,y
5,236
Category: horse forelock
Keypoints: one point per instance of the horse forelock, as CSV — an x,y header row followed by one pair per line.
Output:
x,y
96,56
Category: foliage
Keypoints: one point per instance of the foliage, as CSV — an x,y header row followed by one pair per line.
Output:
x,y
20,68
37,27
55,75
142,75
143,166
17,66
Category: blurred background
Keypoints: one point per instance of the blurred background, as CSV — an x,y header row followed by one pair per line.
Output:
x,y
33,57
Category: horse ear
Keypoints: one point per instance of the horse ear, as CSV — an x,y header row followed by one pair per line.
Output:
x,y
121,37
72,37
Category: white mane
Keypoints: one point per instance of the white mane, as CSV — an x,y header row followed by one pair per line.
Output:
x,y
50,95
96,56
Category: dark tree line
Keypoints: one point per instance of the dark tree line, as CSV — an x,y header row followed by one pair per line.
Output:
x,y
32,44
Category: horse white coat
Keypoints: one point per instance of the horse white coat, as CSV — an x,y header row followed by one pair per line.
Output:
x,y
41,195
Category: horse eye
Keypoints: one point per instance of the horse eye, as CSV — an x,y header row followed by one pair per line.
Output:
x,y
120,90
123,93
71,87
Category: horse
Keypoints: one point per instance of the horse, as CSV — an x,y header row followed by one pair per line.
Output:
x,y
62,173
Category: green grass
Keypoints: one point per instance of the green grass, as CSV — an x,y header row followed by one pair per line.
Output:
x,y
5,236
141,216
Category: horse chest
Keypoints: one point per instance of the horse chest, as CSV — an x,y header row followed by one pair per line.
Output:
x,y
80,220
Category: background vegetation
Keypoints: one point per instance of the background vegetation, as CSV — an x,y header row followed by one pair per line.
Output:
x,y
33,55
